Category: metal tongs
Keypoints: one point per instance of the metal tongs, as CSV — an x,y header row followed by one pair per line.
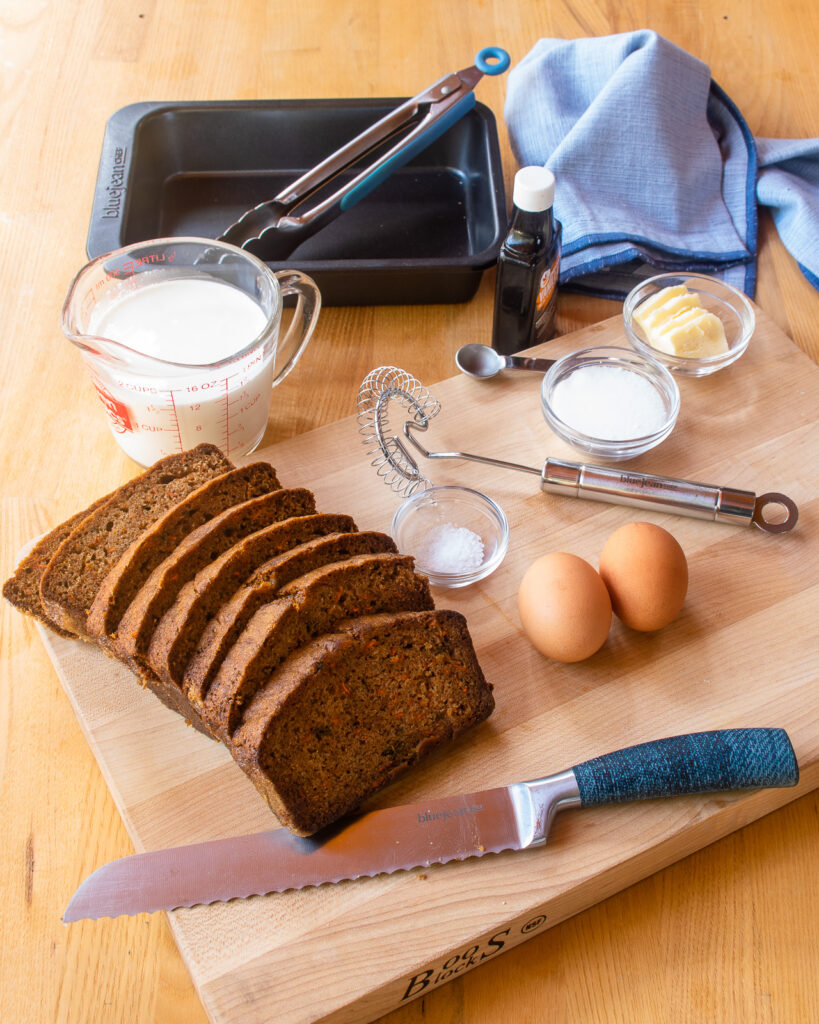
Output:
x,y
272,230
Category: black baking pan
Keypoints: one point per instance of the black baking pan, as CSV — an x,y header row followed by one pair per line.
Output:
x,y
425,235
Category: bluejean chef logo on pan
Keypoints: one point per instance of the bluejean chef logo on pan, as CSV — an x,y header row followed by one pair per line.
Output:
x,y
115,188
446,813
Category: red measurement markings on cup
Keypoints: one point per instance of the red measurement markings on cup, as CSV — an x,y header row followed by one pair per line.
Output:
x,y
89,300
209,410
223,421
118,413
130,267
175,420
227,416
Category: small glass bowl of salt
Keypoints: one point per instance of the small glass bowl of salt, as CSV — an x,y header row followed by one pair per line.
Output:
x,y
612,403
456,535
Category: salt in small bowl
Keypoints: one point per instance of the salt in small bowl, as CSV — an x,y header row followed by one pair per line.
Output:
x,y
443,507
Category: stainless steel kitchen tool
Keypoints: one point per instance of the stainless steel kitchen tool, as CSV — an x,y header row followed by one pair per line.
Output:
x,y
482,362
273,229
393,461
438,830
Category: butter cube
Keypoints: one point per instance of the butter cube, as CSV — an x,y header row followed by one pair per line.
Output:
x,y
675,322
656,305
674,306
693,334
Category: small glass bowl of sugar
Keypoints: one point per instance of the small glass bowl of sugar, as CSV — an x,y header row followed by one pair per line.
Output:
x,y
456,535
610,402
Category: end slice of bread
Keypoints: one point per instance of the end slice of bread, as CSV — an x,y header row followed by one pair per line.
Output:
x,y
23,588
84,558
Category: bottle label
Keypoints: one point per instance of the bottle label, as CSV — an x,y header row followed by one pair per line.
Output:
x,y
548,283
546,304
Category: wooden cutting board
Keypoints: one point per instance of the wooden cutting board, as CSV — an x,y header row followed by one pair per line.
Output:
x,y
743,653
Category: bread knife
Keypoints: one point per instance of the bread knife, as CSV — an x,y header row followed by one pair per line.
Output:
x,y
434,831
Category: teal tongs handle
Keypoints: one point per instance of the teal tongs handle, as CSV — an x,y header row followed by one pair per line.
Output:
x,y
403,156
491,60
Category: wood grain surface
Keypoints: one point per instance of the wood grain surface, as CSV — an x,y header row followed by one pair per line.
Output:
x,y
729,933
248,959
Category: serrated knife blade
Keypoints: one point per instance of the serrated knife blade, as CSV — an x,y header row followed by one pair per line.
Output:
x,y
413,835
432,832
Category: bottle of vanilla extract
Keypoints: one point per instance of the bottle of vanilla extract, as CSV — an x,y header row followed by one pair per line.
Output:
x,y
528,266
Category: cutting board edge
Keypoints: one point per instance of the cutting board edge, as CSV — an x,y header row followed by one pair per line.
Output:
x,y
394,992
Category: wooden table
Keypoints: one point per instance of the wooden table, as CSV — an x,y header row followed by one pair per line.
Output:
x,y
730,933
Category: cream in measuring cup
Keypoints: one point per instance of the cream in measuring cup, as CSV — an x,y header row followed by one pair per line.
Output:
x,y
195,321
180,337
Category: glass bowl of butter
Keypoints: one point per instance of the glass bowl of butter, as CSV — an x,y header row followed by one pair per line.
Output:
x,y
691,323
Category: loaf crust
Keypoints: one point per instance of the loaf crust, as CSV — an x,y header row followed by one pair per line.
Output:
x,y
84,558
180,628
23,588
308,606
198,549
351,711
313,554
233,615
147,550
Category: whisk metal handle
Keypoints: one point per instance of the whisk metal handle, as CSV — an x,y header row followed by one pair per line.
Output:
x,y
640,490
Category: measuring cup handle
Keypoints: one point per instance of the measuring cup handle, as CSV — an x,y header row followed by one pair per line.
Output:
x,y
293,282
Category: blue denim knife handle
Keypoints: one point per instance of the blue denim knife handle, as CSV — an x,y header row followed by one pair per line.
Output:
x,y
702,762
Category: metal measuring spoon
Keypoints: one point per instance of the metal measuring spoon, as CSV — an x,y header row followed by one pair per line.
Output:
x,y
483,362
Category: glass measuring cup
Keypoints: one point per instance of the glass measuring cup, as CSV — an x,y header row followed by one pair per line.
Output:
x,y
196,367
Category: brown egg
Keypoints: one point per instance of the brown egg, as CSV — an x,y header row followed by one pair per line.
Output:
x,y
646,573
564,607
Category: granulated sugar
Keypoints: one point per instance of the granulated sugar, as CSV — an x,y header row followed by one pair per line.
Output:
x,y
450,549
608,402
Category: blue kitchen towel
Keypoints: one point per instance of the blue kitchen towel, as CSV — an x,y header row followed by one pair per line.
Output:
x,y
656,168
789,184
